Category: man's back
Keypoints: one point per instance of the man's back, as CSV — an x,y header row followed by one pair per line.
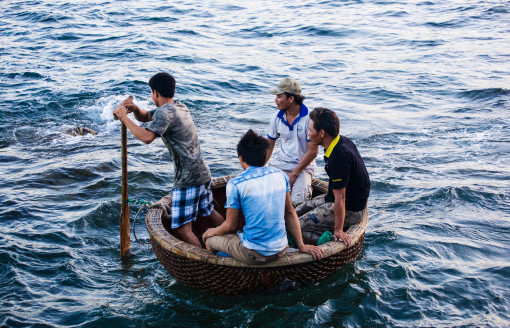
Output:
x,y
260,192
173,123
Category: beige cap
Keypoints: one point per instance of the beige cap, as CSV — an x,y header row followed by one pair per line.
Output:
x,y
287,85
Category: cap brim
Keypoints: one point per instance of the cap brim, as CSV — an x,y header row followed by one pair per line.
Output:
x,y
275,91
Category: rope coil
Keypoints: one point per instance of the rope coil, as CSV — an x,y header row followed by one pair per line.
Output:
x,y
145,204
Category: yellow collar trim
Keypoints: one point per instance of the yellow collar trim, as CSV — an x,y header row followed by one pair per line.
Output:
x,y
332,146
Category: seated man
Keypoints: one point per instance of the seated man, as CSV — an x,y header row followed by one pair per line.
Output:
x,y
349,185
263,195
296,156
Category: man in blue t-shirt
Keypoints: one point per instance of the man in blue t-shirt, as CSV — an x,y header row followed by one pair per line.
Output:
x,y
349,185
263,196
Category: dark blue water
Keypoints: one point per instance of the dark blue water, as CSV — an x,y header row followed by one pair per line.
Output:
x,y
422,87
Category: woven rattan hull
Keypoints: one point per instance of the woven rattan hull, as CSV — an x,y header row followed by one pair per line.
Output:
x,y
207,272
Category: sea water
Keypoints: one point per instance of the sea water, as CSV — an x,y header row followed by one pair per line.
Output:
x,y
421,87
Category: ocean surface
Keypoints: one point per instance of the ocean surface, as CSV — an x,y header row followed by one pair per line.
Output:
x,y
422,88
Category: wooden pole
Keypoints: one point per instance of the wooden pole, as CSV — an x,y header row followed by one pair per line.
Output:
x,y
124,214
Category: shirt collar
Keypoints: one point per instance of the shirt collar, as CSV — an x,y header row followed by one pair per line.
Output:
x,y
253,168
302,112
332,146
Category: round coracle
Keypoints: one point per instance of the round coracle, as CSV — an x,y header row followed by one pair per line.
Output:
x,y
212,273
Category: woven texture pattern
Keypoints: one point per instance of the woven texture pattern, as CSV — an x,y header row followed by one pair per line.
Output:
x,y
205,271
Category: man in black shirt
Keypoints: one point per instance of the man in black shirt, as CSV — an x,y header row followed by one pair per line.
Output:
x,y
345,203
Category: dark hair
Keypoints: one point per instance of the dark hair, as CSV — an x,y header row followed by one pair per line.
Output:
x,y
325,119
253,148
298,99
163,83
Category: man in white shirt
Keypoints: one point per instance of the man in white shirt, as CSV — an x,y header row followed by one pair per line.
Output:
x,y
296,156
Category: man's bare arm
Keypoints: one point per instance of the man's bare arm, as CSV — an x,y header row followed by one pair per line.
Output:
x,y
140,133
292,222
228,226
270,149
310,155
140,114
338,233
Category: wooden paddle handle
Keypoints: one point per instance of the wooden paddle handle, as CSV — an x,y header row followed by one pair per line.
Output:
x,y
124,214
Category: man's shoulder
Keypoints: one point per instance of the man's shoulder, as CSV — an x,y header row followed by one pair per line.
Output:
x,y
276,116
172,106
345,139
344,149
274,170
179,105
254,173
163,111
340,148
348,144
178,115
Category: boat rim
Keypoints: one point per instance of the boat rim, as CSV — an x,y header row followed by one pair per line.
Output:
x,y
158,234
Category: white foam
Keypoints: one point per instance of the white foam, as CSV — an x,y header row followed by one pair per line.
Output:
x,y
104,106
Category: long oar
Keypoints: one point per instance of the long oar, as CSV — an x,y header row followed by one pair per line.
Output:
x,y
124,214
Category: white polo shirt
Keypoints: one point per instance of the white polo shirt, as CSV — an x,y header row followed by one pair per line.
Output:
x,y
294,142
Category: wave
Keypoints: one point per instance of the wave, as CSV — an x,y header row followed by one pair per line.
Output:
x,y
68,36
324,32
27,75
426,43
454,23
158,19
105,215
449,196
14,213
189,59
484,94
497,10
187,32
37,17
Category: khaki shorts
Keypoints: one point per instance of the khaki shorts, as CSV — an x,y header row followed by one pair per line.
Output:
x,y
301,191
232,245
318,216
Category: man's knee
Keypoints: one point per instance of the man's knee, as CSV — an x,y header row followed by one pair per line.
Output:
x,y
308,221
302,188
184,230
303,208
221,243
352,218
326,211
307,206
317,204
210,243
318,220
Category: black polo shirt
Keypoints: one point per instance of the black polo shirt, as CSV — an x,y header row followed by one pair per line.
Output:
x,y
346,169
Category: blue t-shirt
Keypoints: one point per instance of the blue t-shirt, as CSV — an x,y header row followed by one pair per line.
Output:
x,y
260,192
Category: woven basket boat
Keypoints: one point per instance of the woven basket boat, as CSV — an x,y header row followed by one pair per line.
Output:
x,y
221,275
